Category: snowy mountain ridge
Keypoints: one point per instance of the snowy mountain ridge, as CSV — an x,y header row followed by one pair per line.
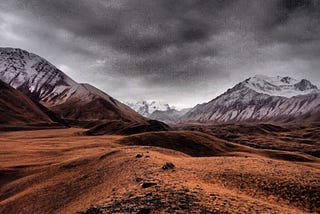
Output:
x,y
260,98
280,86
146,108
29,72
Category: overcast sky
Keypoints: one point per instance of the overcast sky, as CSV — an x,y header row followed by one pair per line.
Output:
x,y
182,52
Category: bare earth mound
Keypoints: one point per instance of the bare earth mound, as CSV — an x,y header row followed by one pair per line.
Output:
x,y
119,127
18,111
295,138
198,144
193,143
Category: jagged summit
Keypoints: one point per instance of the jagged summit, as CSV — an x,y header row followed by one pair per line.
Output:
x,y
146,108
157,110
280,86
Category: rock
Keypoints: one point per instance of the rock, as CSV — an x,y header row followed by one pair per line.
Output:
x,y
139,155
92,210
144,211
168,165
148,194
148,184
102,157
186,190
138,179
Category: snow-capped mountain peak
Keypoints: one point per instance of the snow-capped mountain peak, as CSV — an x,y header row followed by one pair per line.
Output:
x,y
30,72
260,98
280,86
146,108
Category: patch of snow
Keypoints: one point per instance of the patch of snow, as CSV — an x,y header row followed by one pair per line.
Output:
x,y
280,86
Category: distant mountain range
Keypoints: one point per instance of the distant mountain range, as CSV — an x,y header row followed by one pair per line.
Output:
x,y
256,99
146,108
261,99
158,111
50,96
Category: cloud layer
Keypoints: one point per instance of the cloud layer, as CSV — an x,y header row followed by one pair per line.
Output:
x,y
178,51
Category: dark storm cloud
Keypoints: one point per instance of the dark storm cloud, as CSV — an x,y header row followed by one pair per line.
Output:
x,y
299,21
134,26
84,18
181,45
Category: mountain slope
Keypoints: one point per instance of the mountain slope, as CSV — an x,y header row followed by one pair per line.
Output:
x,y
258,99
43,82
168,116
16,109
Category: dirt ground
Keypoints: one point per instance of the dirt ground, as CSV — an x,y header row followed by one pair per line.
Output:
x,y
60,171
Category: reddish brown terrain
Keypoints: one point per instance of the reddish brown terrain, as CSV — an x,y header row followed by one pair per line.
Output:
x,y
19,111
299,137
63,171
69,147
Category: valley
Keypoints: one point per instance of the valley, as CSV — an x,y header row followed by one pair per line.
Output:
x,y
68,147
160,107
